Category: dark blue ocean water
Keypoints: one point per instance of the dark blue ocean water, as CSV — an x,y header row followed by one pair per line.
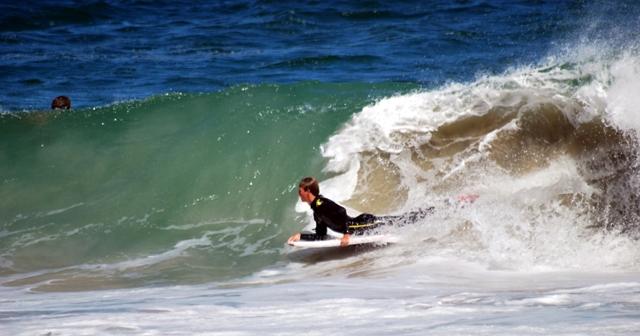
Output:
x,y
99,52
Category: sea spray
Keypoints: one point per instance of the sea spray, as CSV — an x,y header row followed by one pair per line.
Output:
x,y
551,150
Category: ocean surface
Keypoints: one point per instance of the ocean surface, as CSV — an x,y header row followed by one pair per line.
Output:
x,y
161,202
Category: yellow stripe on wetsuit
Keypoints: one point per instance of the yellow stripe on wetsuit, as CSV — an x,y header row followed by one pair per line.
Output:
x,y
363,225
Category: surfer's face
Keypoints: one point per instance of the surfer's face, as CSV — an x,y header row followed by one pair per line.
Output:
x,y
305,195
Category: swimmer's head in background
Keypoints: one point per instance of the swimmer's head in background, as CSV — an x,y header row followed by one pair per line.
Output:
x,y
61,103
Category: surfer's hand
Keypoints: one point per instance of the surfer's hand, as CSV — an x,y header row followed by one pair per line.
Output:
x,y
293,238
345,240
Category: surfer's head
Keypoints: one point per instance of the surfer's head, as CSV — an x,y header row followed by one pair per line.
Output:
x,y
61,102
308,189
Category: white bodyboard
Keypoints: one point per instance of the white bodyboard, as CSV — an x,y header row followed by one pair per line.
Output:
x,y
353,240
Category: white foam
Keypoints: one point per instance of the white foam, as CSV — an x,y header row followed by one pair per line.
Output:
x,y
61,210
623,96
497,305
518,222
547,300
254,221
179,249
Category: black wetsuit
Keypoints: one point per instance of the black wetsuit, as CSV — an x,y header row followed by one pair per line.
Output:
x,y
328,214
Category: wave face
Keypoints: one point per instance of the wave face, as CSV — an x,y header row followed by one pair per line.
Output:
x,y
172,189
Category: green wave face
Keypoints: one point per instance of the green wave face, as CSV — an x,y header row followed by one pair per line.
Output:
x,y
173,189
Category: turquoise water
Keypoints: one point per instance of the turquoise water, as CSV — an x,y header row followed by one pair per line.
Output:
x,y
135,180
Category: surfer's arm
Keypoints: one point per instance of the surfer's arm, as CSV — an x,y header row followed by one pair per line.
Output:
x,y
321,230
321,227
338,216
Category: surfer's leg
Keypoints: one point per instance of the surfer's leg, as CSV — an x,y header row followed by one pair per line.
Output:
x,y
414,216
365,218
407,218
363,223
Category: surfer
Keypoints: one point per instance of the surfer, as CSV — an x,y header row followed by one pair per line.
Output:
x,y
327,213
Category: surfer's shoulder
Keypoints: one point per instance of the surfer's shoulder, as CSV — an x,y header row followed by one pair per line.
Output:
x,y
320,200
323,201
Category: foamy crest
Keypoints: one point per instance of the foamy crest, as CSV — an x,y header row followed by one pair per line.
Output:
x,y
396,123
532,216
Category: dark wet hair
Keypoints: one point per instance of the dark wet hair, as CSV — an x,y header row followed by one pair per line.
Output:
x,y
61,102
310,184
